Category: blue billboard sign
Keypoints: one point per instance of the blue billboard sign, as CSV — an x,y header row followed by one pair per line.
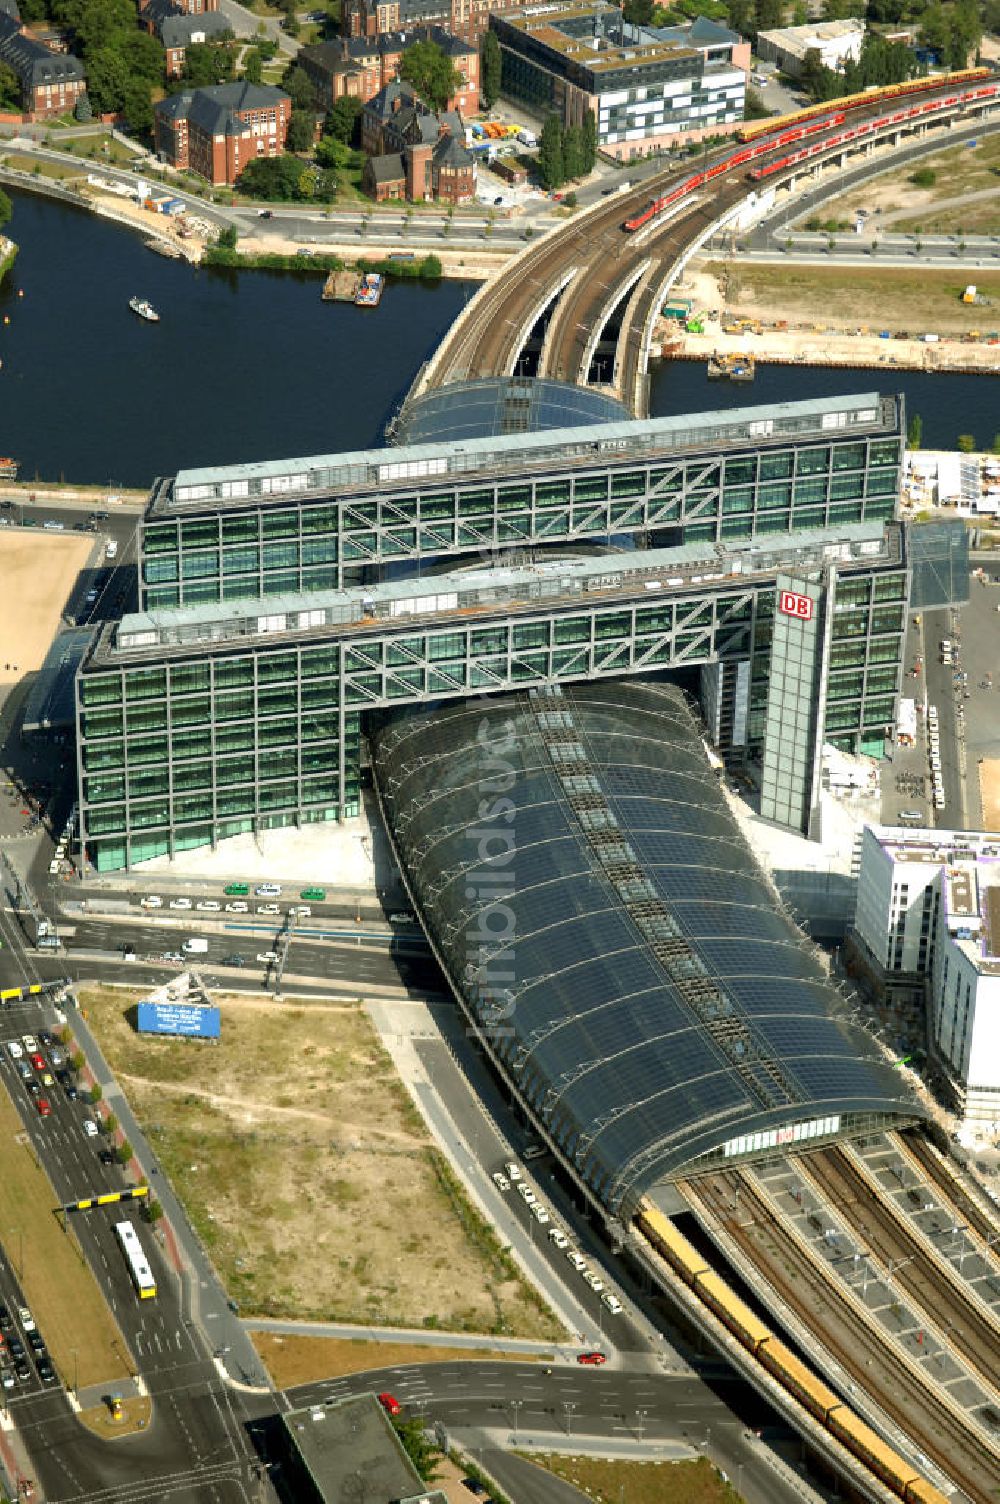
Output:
x,y
179,1018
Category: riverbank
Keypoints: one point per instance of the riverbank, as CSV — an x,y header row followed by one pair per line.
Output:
x,y
27,493
8,255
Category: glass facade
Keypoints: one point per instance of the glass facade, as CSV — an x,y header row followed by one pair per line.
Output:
x,y
279,546
194,727
187,753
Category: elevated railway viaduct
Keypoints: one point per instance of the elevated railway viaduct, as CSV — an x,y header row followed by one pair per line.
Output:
x,y
593,277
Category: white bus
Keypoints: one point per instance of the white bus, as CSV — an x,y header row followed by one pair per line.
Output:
x,y
138,1264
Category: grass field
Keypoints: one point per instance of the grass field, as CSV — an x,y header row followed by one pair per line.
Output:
x,y
292,1359
959,170
41,167
309,1174
641,1482
849,297
63,1295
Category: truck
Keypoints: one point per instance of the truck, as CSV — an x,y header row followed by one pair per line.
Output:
x,y
196,946
111,549
527,138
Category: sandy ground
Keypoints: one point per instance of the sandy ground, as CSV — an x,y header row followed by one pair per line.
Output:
x,y
308,1173
37,572
989,792
761,297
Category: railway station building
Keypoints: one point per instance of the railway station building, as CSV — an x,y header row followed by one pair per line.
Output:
x,y
607,929
753,551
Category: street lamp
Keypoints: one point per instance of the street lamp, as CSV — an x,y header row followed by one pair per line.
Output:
x,y
515,1405
569,1406
640,1416
20,1246
76,1372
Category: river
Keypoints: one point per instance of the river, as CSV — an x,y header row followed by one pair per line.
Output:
x,y
253,365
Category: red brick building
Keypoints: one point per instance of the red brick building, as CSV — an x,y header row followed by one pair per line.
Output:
x,y
181,23
360,66
465,19
217,132
51,82
414,153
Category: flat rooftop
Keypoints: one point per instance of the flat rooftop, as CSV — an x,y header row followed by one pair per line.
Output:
x,y
571,448
650,574
350,1451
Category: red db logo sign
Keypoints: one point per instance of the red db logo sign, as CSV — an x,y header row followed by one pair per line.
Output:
x,y
795,605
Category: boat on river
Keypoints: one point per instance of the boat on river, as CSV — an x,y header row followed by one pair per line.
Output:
x,y
8,468
144,309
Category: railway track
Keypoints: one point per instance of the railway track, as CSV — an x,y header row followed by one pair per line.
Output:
x,y
928,1282
488,338
949,1188
940,1430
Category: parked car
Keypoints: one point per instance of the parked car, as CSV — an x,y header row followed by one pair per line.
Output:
x,y
268,908
237,907
26,1319
30,1044
180,903
90,1128
267,890
267,957
389,1403
15,1049
209,906
105,1156
234,960
151,902
38,1061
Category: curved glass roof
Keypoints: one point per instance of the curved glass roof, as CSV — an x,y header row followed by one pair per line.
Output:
x,y
497,405
603,919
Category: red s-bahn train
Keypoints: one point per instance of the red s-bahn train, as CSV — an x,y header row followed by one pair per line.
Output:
x,y
810,124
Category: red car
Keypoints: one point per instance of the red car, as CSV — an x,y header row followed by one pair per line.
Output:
x,y
593,1358
44,1110
389,1403
39,1063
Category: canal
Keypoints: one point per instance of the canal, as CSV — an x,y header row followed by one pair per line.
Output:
x,y
253,365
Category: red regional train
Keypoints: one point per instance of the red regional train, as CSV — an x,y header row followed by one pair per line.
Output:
x,y
810,123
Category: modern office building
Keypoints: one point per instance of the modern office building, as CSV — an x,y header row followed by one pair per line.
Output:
x,y
644,86
927,927
755,545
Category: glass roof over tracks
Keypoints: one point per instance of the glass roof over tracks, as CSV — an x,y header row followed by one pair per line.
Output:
x,y
605,923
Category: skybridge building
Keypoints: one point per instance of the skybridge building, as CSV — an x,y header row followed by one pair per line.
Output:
x,y
284,603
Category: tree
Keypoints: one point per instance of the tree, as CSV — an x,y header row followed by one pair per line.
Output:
x,y
589,141
137,106
111,1123
77,1060
342,119
124,1152
768,14
144,55
490,66
253,66
107,80
10,89
422,1453
208,63
299,87
102,23
301,130
967,443
915,431
96,1092
154,1211
333,154
573,152
228,238
995,449
274,178
431,72
639,12
551,168
6,209
82,110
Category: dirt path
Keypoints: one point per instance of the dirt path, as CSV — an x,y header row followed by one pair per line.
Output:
x,y
941,203
239,1105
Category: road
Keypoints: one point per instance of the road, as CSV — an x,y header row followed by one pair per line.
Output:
x,y
483,1403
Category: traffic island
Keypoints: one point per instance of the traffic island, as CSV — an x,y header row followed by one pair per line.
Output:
x,y
131,1415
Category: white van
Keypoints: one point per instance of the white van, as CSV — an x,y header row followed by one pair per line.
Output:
x,y
268,890
196,946
111,549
